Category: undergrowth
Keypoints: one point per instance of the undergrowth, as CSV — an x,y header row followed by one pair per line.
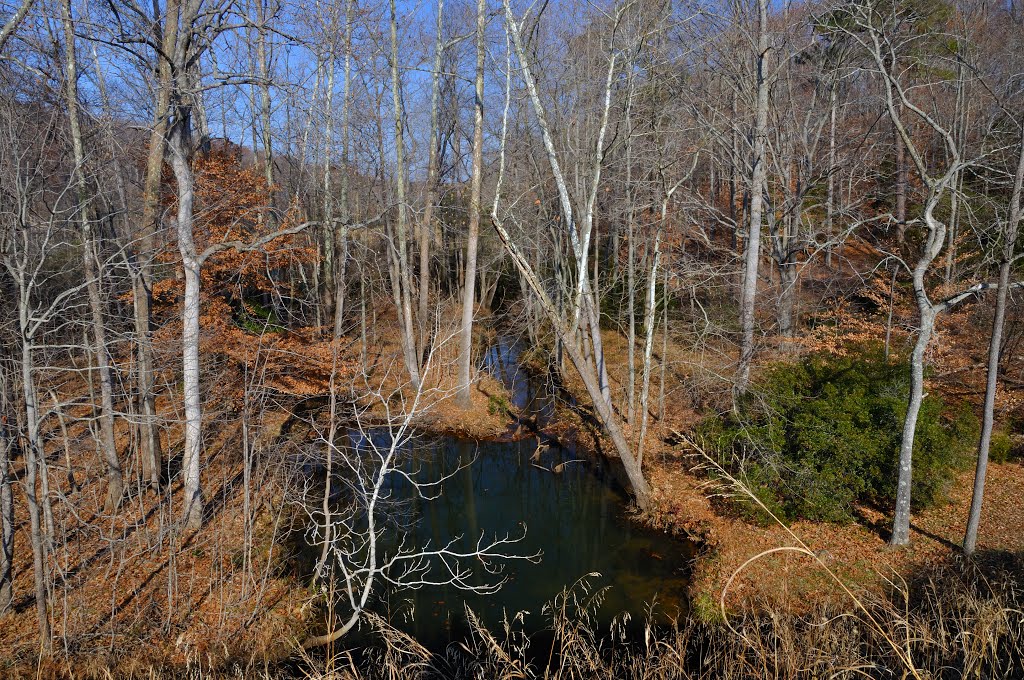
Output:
x,y
814,438
961,619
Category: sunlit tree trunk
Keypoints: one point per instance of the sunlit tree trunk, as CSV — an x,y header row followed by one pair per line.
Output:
x,y
179,143
402,280
469,287
650,313
566,329
995,344
433,161
752,252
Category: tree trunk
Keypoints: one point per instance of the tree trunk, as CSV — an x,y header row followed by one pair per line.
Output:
x,y
142,276
901,191
752,252
426,226
664,341
830,189
341,229
649,314
327,237
566,333
605,413
927,313
32,454
630,268
468,295
631,323
402,278
179,143
108,444
8,436
888,318
901,516
1009,243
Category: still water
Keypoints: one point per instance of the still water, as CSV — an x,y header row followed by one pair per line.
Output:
x,y
574,521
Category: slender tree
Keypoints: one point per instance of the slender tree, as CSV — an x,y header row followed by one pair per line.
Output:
x,y
476,184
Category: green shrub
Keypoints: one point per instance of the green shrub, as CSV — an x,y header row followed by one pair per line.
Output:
x,y
816,437
1000,449
498,404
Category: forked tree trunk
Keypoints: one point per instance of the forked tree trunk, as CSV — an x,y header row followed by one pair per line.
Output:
x,y
935,238
605,413
566,332
927,311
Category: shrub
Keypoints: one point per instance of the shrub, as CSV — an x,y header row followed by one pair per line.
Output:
x,y
498,404
1000,449
816,437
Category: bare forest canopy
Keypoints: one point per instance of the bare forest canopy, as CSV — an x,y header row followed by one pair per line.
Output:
x,y
252,248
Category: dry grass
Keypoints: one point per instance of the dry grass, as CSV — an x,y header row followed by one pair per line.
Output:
x,y
961,620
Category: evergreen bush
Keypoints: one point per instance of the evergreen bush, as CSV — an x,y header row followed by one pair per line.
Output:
x,y
814,438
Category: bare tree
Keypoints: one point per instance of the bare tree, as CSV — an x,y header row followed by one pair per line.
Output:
x,y
365,553
401,277
1009,239
476,183
752,252
870,32
593,375
90,260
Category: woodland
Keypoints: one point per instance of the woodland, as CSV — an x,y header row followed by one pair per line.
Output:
x,y
511,338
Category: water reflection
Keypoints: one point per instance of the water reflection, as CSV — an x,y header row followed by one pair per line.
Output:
x,y
575,520
533,396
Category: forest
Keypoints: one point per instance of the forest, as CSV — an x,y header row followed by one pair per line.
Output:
x,y
638,339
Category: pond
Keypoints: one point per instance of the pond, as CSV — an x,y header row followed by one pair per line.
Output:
x,y
568,508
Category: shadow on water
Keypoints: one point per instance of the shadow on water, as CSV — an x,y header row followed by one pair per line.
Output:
x,y
576,520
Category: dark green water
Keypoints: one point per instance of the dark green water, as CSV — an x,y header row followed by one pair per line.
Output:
x,y
576,523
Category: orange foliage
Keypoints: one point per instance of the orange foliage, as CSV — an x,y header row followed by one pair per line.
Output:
x,y
232,205
843,326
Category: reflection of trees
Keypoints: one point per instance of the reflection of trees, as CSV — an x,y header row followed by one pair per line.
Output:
x,y
373,541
